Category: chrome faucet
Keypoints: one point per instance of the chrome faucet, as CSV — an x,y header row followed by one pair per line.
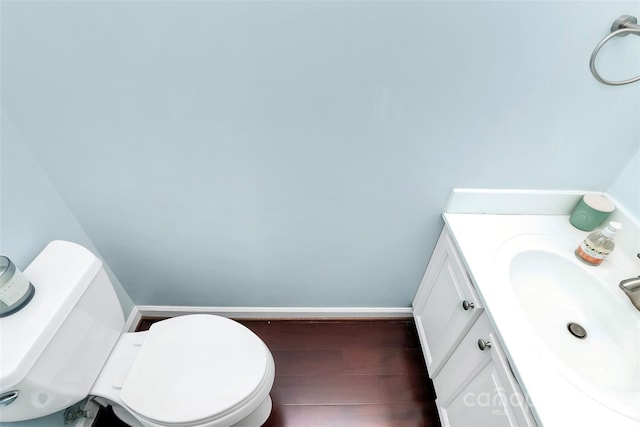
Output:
x,y
631,287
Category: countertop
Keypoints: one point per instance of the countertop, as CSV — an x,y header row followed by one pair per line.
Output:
x,y
555,400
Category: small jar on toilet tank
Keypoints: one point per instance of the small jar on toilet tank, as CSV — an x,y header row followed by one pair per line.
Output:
x,y
15,288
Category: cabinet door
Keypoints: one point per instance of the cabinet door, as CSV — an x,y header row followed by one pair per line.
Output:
x,y
476,387
441,319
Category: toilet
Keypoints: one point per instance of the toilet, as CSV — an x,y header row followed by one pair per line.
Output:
x,y
67,344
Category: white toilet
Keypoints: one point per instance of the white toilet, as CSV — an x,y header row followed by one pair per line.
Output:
x,y
67,343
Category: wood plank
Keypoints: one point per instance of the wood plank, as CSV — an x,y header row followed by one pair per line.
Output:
x,y
396,415
336,334
384,361
351,389
294,362
350,361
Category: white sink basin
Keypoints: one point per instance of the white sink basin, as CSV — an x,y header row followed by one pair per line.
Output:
x,y
553,289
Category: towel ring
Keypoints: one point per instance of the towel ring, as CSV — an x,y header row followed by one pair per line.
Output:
x,y
623,26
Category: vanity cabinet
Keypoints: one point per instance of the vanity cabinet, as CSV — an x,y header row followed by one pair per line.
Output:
x,y
475,387
445,306
473,380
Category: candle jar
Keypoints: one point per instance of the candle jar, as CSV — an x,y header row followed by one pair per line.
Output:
x,y
15,289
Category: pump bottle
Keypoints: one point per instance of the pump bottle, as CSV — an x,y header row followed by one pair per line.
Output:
x,y
598,245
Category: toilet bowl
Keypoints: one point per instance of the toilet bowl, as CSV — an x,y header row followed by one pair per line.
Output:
x,y
67,344
195,370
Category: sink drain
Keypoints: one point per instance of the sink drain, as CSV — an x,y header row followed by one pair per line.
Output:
x,y
577,330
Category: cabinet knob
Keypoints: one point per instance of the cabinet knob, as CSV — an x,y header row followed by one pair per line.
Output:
x,y
467,305
483,345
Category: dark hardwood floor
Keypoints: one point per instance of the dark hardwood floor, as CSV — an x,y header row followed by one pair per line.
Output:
x,y
342,373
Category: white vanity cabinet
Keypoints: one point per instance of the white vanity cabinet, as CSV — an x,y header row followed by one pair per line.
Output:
x,y
476,388
445,306
471,375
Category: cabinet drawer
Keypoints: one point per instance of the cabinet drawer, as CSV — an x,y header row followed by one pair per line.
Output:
x,y
476,387
445,306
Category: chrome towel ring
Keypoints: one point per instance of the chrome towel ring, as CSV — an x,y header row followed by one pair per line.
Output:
x,y
623,26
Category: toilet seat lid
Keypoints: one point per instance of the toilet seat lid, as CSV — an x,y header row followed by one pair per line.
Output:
x,y
195,368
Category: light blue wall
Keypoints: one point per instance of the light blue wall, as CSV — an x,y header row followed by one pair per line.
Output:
x,y
626,188
299,153
32,214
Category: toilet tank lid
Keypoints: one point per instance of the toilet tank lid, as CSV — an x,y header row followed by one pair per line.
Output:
x,y
60,274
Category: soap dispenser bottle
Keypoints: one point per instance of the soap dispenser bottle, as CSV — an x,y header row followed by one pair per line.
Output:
x,y
598,245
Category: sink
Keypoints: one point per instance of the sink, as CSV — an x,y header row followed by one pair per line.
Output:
x,y
600,356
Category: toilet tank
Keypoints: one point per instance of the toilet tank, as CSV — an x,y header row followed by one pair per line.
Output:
x,y
53,349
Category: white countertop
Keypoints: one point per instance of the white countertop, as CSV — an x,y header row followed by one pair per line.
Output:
x,y
554,399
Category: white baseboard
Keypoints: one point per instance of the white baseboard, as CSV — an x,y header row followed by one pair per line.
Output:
x,y
132,321
268,312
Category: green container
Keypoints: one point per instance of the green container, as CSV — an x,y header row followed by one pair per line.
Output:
x,y
591,211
